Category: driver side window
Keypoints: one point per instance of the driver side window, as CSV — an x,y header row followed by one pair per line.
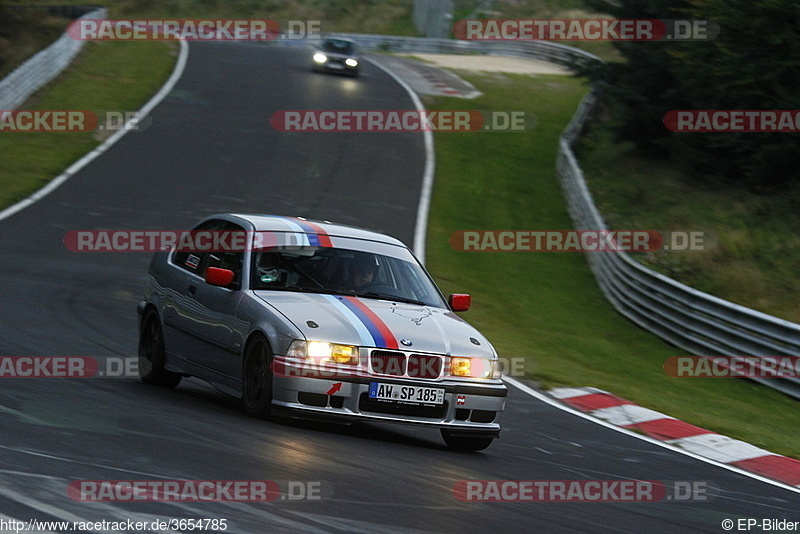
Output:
x,y
228,259
198,261
193,260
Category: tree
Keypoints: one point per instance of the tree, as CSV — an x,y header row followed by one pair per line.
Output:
x,y
754,63
641,89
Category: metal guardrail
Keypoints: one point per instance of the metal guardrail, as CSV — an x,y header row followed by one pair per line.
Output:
x,y
699,323
43,67
542,50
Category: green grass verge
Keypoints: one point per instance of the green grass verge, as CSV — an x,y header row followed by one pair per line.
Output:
x,y
105,76
546,307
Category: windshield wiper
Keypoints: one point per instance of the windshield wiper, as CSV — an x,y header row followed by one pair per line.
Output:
x,y
386,296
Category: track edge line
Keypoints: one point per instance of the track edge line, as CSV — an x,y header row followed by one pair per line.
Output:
x,y
53,184
423,207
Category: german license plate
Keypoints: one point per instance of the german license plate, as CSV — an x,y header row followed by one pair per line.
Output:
x,y
406,394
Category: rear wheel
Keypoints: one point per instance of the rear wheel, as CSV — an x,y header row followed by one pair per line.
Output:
x,y
152,355
466,443
257,378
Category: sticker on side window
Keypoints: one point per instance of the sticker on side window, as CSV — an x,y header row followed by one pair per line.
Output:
x,y
192,261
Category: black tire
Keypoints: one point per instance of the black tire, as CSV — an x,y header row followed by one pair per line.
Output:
x,y
466,443
257,378
152,355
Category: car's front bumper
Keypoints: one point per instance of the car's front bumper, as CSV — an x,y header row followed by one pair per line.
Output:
x,y
469,408
336,65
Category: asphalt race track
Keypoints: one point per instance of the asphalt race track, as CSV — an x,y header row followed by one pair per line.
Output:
x,y
210,149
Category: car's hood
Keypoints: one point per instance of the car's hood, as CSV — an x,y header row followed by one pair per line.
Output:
x,y
379,323
337,55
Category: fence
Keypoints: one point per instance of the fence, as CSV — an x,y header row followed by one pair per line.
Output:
x,y
696,322
542,50
39,70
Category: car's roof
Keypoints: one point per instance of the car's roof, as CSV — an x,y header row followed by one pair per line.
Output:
x,y
279,223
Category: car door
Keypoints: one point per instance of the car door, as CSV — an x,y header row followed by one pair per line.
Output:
x,y
206,314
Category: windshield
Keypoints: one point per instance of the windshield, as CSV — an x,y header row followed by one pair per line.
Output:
x,y
344,272
336,46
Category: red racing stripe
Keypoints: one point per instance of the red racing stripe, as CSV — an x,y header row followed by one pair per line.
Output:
x,y
374,323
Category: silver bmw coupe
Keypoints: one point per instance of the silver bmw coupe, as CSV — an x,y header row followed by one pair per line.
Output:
x,y
309,318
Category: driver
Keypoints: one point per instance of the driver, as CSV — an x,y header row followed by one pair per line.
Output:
x,y
362,272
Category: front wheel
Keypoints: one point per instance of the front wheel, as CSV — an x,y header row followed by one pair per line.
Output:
x,y
257,378
152,355
466,443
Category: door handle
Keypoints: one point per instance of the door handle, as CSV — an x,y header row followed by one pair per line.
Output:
x,y
192,289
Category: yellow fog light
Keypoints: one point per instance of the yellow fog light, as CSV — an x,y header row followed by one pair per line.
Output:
x,y
472,367
344,354
324,352
460,366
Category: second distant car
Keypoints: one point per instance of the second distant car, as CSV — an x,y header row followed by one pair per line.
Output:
x,y
337,55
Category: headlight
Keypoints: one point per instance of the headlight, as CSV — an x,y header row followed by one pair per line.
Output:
x,y
350,62
472,367
323,352
319,57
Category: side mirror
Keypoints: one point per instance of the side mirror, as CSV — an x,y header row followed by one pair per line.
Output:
x,y
218,277
459,302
